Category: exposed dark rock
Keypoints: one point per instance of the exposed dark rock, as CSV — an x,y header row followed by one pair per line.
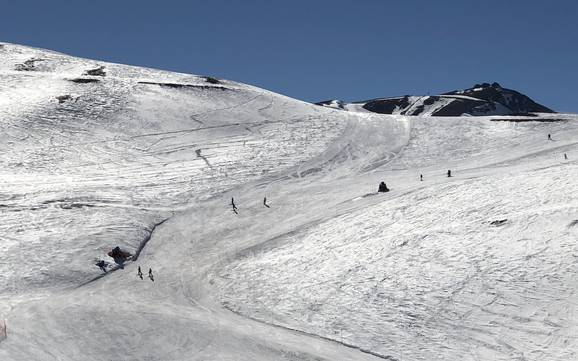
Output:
x,y
388,105
511,99
28,65
211,80
336,104
63,98
481,99
84,80
96,72
418,110
431,100
455,107
180,86
498,222
521,120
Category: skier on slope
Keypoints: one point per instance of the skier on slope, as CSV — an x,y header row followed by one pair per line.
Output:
x,y
449,173
139,273
102,265
233,205
151,274
549,137
382,188
265,202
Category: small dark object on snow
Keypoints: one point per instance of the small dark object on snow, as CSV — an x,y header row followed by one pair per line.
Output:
x,y
139,273
211,80
265,202
383,187
102,265
421,177
498,222
84,80
565,156
151,274
119,256
116,252
549,137
28,65
449,173
234,206
96,72
62,98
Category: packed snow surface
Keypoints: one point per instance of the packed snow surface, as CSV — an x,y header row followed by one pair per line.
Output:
x,y
479,266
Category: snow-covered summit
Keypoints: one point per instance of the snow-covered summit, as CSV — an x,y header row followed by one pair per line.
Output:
x,y
481,99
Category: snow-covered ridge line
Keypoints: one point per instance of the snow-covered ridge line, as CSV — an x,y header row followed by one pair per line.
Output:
x,y
480,100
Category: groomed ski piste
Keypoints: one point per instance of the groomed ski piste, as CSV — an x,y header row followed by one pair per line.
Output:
x,y
479,266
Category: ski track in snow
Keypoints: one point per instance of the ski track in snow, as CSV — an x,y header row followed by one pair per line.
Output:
x,y
332,271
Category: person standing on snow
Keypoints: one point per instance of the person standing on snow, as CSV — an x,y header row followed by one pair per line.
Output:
x,y
549,137
449,173
233,204
139,273
382,188
265,202
421,177
151,274
102,265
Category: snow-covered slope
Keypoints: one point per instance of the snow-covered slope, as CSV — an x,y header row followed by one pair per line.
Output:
x,y
149,160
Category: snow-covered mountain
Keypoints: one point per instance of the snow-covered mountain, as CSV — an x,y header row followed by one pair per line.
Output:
x,y
482,99
479,266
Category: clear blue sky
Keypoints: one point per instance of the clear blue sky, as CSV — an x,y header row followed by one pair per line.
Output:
x,y
316,50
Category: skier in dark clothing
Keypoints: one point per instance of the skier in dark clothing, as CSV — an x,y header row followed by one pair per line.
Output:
x,y
383,187
549,137
265,202
139,273
421,177
116,252
565,156
233,204
449,173
102,265
151,274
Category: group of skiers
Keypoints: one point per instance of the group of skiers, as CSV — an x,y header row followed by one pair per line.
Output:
x,y
102,264
235,209
151,276
119,256
565,155
383,188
